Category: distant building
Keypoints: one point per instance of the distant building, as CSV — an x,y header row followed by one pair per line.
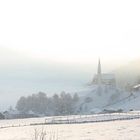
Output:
x,y
14,114
2,116
136,87
11,114
103,78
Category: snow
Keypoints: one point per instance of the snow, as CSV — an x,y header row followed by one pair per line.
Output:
x,y
137,86
131,103
114,130
116,126
110,98
99,101
69,119
93,118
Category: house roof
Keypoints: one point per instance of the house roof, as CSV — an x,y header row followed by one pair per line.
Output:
x,y
136,86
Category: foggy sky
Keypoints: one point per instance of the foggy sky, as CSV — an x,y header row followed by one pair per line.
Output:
x,y
55,45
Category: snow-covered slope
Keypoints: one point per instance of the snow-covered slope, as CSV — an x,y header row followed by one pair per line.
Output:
x,y
109,98
131,102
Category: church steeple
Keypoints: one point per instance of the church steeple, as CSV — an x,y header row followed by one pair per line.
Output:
x,y
99,75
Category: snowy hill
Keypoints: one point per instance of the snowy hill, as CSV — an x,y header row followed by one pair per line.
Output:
x,y
131,102
111,98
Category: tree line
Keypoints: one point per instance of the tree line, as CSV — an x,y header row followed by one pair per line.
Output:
x,y
58,104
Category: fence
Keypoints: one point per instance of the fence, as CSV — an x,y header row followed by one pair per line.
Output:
x,y
93,118
72,119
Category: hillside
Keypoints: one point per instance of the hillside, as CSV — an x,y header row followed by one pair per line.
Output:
x,y
111,98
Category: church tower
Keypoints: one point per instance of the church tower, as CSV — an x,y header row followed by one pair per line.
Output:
x,y
99,78
103,79
99,73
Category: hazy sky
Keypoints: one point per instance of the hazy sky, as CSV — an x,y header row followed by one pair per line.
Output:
x,y
64,38
72,31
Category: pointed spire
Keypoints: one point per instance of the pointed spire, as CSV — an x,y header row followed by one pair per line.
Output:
x,y
99,72
99,78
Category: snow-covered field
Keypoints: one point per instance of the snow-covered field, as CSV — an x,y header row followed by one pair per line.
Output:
x,y
69,119
112,130
116,130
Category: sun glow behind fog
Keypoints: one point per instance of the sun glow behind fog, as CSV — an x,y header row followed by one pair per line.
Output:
x,y
83,55
72,31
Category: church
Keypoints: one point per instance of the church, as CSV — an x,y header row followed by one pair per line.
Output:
x,y
103,78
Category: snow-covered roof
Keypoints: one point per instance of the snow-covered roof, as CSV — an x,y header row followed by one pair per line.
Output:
x,y
136,86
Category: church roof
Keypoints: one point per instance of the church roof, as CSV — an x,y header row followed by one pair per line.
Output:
x,y
107,76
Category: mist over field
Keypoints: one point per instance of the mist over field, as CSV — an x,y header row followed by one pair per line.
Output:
x,y
69,70
52,46
22,75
